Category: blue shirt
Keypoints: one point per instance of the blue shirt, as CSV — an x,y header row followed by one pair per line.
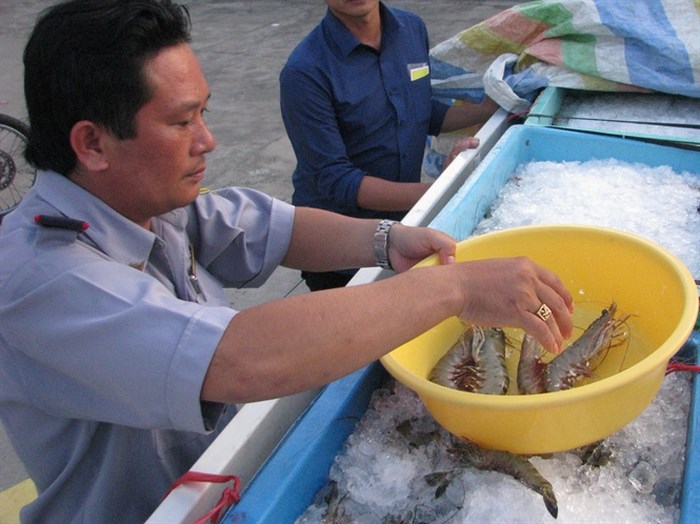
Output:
x,y
350,110
105,341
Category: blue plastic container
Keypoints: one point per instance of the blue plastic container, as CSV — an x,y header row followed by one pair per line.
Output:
x,y
521,144
690,501
286,484
551,104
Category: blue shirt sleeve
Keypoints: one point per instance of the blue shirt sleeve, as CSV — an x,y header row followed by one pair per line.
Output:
x,y
437,117
313,129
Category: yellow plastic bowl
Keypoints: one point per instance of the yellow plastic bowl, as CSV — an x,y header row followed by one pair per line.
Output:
x,y
598,266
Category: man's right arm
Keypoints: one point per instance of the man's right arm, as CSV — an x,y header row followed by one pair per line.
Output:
x,y
296,343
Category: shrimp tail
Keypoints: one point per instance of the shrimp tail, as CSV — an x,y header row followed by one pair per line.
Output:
x,y
467,453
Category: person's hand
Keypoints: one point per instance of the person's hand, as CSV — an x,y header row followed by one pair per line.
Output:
x,y
470,142
508,292
409,245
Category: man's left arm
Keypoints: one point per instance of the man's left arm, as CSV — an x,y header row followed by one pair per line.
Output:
x,y
468,114
323,241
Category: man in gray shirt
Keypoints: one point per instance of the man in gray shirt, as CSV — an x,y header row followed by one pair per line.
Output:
x,y
120,358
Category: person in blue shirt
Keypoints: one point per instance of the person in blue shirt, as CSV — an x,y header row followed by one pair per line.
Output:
x,y
356,103
120,358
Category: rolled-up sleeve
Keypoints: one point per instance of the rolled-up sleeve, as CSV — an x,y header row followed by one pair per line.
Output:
x,y
312,127
240,235
437,116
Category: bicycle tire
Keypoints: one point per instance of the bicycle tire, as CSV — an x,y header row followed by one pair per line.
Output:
x,y
17,176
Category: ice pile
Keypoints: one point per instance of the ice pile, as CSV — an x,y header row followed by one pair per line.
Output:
x,y
649,114
380,475
656,203
381,472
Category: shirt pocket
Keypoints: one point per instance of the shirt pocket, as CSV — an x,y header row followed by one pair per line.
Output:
x,y
419,92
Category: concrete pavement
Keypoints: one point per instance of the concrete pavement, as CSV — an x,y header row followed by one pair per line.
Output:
x,y
242,45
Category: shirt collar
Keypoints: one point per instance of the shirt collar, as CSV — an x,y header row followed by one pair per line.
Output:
x,y
113,234
345,40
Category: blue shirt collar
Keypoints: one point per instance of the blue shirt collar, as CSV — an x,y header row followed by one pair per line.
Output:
x,y
345,40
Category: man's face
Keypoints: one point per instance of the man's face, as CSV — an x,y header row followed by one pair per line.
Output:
x,y
162,167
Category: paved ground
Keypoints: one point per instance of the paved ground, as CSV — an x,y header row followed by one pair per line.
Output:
x,y
243,45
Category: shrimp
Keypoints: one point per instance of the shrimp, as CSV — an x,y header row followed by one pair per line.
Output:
x,y
467,453
491,362
530,368
457,369
476,363
575,361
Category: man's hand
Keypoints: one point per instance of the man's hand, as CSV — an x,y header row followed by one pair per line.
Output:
x,y
470,142
409,245
507,292
503,292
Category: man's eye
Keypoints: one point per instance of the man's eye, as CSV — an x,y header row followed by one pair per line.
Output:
x,y
191,120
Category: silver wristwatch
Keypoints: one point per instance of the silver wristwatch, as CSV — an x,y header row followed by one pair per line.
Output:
x,y
380,243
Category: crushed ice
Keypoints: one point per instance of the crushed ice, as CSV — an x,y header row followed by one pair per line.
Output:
x,y
381,472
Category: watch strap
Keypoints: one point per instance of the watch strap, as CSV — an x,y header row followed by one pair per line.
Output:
x,y
380,243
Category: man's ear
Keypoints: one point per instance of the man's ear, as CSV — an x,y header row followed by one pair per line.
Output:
x,y
88,141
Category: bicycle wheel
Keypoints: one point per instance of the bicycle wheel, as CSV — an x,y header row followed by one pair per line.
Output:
x,y
16,175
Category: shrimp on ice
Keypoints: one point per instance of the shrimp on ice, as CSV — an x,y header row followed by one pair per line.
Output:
x,y
467,453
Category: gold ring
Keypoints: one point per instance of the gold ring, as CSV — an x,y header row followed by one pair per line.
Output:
x,y
544,312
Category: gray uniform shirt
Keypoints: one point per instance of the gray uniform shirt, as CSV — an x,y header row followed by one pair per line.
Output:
x,y
105,339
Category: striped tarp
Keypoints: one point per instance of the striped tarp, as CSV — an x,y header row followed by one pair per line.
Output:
x,y
599,45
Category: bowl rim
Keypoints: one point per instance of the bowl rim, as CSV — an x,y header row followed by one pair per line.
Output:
x,y
424,388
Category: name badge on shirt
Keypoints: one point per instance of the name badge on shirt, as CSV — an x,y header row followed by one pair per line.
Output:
x,y
418,71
